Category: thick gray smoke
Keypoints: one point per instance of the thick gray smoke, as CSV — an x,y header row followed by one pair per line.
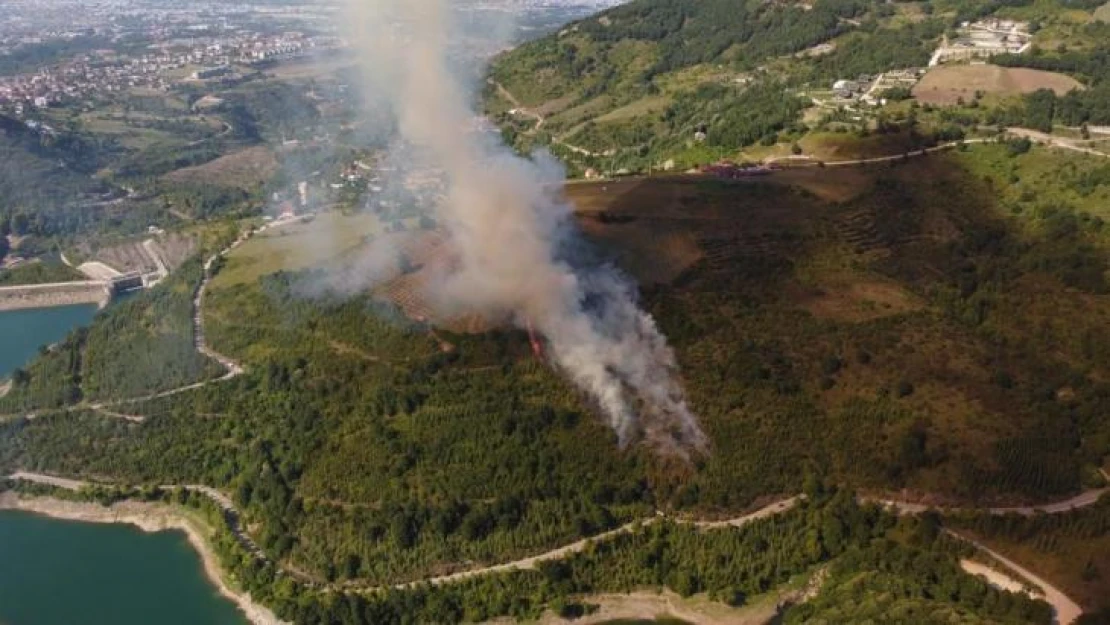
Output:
x,y
511,232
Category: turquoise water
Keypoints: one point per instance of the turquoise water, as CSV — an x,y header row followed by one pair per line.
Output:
x,y
22,332
67,573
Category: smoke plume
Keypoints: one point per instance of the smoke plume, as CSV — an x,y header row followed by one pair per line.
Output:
x,y
511,233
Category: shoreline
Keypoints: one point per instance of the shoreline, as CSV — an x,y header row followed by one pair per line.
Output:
x,y
33,296
150,518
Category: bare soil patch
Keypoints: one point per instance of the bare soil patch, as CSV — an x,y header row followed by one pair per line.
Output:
x,y
173,249
1103,13
946,85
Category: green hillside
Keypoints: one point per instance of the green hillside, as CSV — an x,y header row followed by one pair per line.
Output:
x,y
675,83
927,329
43,176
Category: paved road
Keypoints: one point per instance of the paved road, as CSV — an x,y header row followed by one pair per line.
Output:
x,y
151,249
53,285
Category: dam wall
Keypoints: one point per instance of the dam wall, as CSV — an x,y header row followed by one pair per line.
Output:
x,y
57,294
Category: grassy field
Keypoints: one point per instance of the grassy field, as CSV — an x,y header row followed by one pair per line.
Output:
x,y
297,246
130,136
834,146
1060,177
37,272
947,84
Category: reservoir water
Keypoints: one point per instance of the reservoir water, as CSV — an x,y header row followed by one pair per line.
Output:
x,y
22,332
56,572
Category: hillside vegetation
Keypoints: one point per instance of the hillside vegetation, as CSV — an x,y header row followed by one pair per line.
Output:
x,y
670,84
645,77
913,328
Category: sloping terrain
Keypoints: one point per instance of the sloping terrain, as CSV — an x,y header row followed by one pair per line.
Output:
x,y
37,177
245,169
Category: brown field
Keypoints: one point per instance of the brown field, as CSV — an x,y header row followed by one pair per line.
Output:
x,y
946,85
244,169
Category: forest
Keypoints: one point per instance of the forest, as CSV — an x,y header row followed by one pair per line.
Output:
x,y
905,564
934,327
690,33
353,421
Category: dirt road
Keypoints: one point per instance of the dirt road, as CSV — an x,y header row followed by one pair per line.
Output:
x,y
1082,500
1067,611
1054,141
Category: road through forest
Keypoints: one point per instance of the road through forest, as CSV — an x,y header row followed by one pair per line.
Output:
x,y
1066,609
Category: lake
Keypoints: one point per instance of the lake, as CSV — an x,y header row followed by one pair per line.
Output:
x,y
22,332
55,572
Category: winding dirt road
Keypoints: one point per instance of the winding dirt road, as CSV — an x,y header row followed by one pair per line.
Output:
x,y
1066,609
1082,500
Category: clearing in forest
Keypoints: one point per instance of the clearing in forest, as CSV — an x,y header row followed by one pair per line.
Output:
x,y
948,84
297,246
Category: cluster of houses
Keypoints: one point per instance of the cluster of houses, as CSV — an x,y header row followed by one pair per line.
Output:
x,y
103,72
870,90
984,39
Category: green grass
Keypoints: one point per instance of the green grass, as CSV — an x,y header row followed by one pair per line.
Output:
x,y
297,246
39,273
1043,177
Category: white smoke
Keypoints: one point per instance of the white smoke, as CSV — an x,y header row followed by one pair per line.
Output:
x,y
510,232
